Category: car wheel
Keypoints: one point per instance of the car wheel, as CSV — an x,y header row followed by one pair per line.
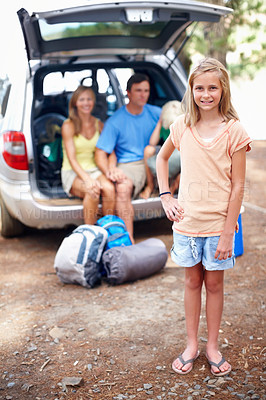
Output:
x,y
9,226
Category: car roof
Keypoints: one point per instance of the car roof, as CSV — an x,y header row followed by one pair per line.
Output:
x,y
105,27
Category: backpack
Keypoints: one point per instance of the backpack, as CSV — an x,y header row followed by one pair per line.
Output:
x,y
47,131
50,160
78,259
117,231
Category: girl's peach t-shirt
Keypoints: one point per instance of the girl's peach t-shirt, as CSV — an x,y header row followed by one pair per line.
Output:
x,y
205,183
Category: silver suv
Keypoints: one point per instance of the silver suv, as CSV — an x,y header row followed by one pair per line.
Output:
x,y
100,44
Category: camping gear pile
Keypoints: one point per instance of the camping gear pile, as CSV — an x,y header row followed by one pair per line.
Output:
x,y
104,251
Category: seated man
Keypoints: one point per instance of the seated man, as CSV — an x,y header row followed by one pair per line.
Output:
x,y
170,111
128,132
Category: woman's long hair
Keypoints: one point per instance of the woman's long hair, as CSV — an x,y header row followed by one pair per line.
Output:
x,y
226,109
72,108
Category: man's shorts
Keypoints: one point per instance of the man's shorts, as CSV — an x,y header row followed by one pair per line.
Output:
x,y
136,172
68,177
189,251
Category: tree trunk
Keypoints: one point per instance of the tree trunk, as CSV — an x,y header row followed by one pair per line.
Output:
x,y
215,35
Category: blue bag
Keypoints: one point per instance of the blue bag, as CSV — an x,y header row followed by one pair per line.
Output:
x,y
117,232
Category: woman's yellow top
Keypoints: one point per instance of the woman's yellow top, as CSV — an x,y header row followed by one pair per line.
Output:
x,y
85,149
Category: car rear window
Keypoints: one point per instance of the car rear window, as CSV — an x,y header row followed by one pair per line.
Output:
x,y
60,31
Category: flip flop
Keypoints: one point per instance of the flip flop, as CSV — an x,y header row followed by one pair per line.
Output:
x,y
217,365
180,358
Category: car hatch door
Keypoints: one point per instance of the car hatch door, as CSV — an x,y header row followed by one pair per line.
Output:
x,y
115,28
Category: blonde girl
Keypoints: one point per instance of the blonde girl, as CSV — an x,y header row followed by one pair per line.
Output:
x,y
213,146
80,175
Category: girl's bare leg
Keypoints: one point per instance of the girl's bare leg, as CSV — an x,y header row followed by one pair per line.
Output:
x,y
214,283
193,286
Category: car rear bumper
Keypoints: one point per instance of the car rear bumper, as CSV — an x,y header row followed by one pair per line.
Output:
x,y
38,213
43,213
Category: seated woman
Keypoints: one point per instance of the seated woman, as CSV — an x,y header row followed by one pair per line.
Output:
x,y
170,111
80,175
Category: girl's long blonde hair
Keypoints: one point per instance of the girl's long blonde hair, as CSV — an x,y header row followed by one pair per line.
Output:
x,y
226,109
72,108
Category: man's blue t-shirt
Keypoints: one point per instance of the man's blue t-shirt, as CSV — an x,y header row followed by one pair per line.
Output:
x,y
129,134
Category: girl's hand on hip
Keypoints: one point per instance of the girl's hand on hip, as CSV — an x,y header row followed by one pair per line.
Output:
x,y
225,246
172,208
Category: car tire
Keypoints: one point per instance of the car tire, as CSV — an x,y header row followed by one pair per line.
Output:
x,y
9,226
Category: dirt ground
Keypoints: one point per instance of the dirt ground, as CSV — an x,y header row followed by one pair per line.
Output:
x,y
119,342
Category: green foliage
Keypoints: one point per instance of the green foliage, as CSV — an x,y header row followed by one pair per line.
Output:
x,y
243,33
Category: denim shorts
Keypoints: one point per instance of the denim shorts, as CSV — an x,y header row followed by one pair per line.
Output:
x,y
189,251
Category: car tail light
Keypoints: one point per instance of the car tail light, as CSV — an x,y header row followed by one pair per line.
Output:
x,y
15,151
